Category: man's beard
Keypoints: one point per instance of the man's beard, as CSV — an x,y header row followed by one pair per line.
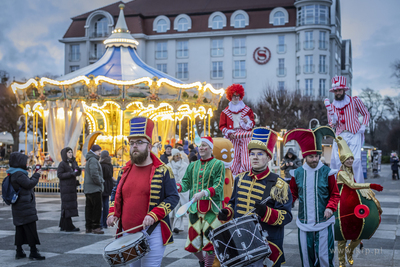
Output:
x,y
340,98
139,158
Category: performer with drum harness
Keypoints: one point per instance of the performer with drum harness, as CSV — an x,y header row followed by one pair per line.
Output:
x,y
144,196
205,180
250,191
315,186
359,213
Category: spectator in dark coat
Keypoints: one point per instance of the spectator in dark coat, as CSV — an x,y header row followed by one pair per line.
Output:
x,y
167,153
67,172
394,160
107,167
193,153
290,162
186,147
24,211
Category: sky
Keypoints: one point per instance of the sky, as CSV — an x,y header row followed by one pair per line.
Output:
x,y
30,31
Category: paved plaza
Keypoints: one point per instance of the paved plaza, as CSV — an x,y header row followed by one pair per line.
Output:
x,y
80,249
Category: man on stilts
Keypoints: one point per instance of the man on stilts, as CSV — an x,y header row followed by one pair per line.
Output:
x,y
343,115
236,123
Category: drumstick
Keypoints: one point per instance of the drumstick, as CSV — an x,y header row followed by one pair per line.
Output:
x,y
134,228
214,203
262,202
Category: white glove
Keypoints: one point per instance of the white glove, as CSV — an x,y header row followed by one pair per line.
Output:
x,y
362,129
331,114
328,104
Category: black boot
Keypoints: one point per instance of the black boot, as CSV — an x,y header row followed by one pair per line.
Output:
x,y
20,254
201,263
35,255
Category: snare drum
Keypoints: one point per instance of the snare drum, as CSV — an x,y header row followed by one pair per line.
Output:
x,y
239,242
126,249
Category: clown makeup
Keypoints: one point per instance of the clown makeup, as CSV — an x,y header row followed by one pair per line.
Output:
x,y
349,162
205,151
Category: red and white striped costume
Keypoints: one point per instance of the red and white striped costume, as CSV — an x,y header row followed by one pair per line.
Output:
x,y
343,115
231,122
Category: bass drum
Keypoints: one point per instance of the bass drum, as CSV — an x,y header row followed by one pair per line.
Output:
x,y
347,225
239,242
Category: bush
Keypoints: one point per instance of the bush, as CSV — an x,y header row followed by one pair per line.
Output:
x,y
385,159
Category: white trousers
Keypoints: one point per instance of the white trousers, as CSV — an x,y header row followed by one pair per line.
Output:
x,y
355,143
178,222
157,248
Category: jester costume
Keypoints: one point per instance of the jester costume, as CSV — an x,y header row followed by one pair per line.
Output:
x,y
251,188
356,201
201,175
317,191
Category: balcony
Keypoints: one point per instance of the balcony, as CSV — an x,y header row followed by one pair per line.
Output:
x,y
217,52
239,73
162,54
309,68
298,70
74,56
239,51
183,75
99,34
217,74
281,72
323,68
281,48
309,45
323,45
182,53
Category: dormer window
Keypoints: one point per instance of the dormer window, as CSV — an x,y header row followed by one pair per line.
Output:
x,y
217,21
182,23
161,24
239,21
278,16
100,28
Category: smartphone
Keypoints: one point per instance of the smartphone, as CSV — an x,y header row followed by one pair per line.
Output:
x,y
38,167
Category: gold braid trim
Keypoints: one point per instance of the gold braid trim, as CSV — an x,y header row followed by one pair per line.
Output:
x,y
279,192
281,217
240,175
166,207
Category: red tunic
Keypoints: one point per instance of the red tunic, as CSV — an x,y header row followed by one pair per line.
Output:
x,y
136,191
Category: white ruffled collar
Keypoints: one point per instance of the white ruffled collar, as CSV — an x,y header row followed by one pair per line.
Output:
x,y
236,108
342,103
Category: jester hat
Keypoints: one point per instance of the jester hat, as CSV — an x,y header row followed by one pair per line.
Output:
x,y
264,139
309,140
344,150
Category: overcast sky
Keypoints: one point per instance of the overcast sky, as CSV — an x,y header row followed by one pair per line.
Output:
x,y
30,30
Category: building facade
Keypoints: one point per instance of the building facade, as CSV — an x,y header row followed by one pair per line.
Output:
x,y
279,44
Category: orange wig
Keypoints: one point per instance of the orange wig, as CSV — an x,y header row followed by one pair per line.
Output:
x,y
234,88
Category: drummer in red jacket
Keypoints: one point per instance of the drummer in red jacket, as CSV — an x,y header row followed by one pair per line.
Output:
x,y
145,193
258,184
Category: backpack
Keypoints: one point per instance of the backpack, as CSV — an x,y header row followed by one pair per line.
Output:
x,y
8,192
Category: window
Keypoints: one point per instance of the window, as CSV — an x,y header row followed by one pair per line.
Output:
x,y
309,42
217,49
279,18
217,85
281,71
162,26
309,87
281,44
239,46
298,68
183,25
183,72
97,52
217,71
313,14
323,44
100,28
162,67
297,42
217,23
182,50
239,69
240,21
281,86
322,64
74,54
161,50
309,67
322,83
73,68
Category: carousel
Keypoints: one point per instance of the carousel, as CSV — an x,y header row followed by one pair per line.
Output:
x,y
98,101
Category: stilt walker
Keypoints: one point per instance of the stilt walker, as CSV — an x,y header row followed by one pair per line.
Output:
x,y
236,123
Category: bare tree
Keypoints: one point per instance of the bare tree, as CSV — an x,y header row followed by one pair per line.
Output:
x,y
392,105
396,70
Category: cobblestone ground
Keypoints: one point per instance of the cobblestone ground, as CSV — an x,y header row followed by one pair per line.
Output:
x,y
80,249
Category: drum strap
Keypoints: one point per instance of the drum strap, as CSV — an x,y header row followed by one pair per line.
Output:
x,y
270,183
152,227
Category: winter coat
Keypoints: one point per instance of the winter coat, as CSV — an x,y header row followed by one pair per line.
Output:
x,y
193,153
108,173
94,181
295,160
24,209
67,175
178,169
164,158
394,161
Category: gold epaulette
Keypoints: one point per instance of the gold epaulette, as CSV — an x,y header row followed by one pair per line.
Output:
x,y
279,192
240,177
171,174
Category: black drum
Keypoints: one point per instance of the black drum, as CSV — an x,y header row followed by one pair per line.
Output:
x,y
240,242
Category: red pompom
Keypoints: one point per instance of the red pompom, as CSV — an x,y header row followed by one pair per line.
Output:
x,y
226,200
234,88
342,111
343,121
226,180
